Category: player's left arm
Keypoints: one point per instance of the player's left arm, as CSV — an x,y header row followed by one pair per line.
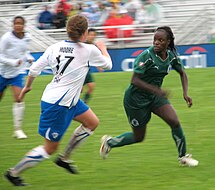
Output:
x,y
184,82
26,88
34,71
100,57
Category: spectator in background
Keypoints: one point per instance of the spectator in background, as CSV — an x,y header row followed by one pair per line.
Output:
x,y
153,12
122,18
59,19
103,13
90,10
63,5
45,19
140,16
73,11
115,7
13,56
133,6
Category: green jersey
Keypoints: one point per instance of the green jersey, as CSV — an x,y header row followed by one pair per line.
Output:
x,y
153,70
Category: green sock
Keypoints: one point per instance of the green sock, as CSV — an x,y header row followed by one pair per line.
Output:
x,y
179,138
86,97
122,140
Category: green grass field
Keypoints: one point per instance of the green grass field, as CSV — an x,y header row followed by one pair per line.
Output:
x,y
151,165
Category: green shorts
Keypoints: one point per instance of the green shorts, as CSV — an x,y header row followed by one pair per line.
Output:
x,y
89,78
139,114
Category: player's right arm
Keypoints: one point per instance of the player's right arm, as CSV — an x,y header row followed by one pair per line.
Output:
x,y
34,71
138,82
5,59
140,67
100,57
26,88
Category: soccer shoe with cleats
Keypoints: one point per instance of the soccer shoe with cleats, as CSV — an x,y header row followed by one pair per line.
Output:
x,y
19,134
187,160
105,148
16,181
66,164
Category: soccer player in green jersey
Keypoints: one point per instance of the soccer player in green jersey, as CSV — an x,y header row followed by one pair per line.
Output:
x,y
89,82
145,96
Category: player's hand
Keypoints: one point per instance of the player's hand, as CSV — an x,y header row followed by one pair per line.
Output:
x,y
30,61
188,100
163,93
23,92
19,63
100,69
100,45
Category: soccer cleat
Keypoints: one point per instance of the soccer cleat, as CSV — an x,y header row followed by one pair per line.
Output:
x,y
19,134
68,165
17,181
105,148
187,160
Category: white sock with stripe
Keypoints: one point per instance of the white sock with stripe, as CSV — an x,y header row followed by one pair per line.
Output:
x,y
31,159
79,136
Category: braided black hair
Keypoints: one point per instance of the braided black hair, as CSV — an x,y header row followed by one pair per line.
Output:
x,y
170,36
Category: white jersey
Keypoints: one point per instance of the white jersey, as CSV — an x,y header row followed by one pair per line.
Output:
x,y
13,49
70,63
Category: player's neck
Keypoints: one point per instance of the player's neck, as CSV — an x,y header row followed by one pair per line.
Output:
x,y
19,35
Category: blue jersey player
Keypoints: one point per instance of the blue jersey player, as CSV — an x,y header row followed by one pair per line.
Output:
x,y
60,104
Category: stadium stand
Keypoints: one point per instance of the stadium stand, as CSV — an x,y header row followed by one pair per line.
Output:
x,y
190,20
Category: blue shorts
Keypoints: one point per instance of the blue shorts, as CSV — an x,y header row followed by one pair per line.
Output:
x,y
55,119
16,81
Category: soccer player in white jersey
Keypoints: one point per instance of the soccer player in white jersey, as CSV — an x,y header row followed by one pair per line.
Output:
x,y
13,56
60,104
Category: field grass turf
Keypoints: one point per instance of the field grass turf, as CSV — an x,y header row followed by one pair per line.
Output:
x,y
151,165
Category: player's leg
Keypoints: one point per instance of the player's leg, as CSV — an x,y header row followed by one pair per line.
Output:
x,y
52,127
18,107
89,121
168,114
90,83
138,118
18,114
31,159
3,86
90,88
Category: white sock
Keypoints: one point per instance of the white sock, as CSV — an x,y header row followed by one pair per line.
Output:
x,y
79,136
31,159
18,113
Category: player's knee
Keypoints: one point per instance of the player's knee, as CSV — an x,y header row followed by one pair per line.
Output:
x,y
93,124
51,147
96,124
139,139
174,123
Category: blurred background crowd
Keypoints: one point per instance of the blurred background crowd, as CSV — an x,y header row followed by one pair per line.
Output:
x,y
191,20
105,13
99,13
